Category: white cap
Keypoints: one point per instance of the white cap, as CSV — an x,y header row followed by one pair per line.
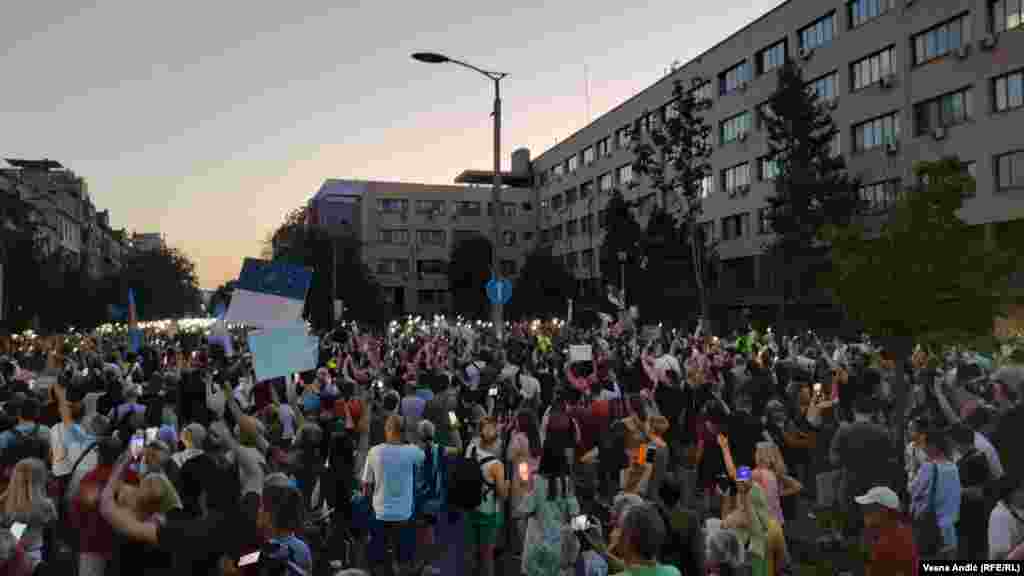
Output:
x,y
881,496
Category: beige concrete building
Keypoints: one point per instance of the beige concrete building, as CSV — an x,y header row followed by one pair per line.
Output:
x,y
907,81
408,231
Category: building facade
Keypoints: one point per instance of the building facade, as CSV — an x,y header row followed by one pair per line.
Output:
x,y
147,242
408,231
906,81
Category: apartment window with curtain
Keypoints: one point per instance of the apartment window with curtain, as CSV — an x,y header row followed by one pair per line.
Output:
x,y
572,228
509,209
588,155
604,147
707,185
703,92
1010,171
587,260
764,221
586,190
572,164
386,236
605,183
1006,14
556,202
622,137
767,168
736,176
587,224
431,237
467,208
392,266
730,80
558,170
871,69
835,144
880,196
602,218
735,226
862,11
876,132
818,33
1008,91
392,205
624,174
731,128
430,207
944,111
771,57
826,87
943,39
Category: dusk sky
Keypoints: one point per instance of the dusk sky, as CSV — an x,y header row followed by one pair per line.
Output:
x,y
207,121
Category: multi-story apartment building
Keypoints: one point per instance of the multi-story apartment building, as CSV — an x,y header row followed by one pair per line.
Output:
x,y
147,242
408,231
905,80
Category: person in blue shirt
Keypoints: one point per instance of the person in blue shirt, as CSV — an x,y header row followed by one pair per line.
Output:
x,y
941,470
280,516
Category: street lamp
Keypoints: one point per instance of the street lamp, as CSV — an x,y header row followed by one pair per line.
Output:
x,y
434,58
622,274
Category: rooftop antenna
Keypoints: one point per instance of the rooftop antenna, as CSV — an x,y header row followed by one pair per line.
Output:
x,y
586,91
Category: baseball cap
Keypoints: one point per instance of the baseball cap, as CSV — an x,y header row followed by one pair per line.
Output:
x,y
881,496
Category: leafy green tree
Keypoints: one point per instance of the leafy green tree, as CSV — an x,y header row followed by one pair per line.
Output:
x,y
469,270
812,188
543,287
622,234
164,281
675,157
928,277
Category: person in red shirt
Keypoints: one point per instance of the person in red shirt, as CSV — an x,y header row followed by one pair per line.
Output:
x,y
892,550
96,536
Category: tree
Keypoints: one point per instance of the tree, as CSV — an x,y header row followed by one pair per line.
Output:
x,y
675,159
622,234
22,253
543,286
928,277
164,281
285,234
812,188
469,270
222,295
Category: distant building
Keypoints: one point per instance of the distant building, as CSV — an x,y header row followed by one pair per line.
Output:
x,y
148,242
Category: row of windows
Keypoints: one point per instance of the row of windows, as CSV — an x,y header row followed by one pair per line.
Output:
x,y
400,236
431,267
942,39
438,207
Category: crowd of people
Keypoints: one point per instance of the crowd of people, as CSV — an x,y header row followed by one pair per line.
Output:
x,y
434,448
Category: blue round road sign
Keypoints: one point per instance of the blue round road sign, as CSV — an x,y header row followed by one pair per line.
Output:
x,y
499,291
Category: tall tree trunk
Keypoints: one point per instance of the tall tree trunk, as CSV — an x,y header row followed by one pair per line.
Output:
x,y
901,348
697,254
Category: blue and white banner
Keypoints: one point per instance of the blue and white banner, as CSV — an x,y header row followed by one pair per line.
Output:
x,y
283,351
269,294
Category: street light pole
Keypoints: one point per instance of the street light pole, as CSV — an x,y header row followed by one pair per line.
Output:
x,y
497,317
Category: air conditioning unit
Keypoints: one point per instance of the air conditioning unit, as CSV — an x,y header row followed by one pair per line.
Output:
x,y
805,53
886,81
964,51
892,148
742,137
988,42
939,133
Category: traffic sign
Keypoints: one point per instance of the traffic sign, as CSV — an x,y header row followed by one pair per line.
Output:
x,y
499,291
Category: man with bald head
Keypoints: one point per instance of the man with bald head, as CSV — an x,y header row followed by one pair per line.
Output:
x,y
389,478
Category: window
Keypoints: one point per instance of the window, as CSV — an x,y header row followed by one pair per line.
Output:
x,y
946,110
602,218
622,136
862,11
572,164
731,128
730,80
771,57
1008,91
733,178
735,226
430,207
571,260
604,147
392,266
707,185
605,183
556,233
588,155
431,267
652,121
570,196
431,237
767,168
702,92
545,236
818,33
508,238
876,132
1010,171
882,195
430,297
509,209
392,205
527,236
587,224
509,268
942,39
459,236
624,175
571,228
587,260
467,208
393,236
872,69
1007,14
707,230
556,202
826,87
586,190
671,111
558,170
764,221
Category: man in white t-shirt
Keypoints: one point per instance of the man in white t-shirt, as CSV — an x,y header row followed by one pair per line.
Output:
x,y
389,478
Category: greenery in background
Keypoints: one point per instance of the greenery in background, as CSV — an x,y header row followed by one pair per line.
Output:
x,y
543,287
675,158
622,234
469,270
812,188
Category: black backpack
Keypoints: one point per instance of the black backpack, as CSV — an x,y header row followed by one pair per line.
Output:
x,y
469,486
26,445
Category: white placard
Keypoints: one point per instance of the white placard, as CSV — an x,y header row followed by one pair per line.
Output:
x,y
581,353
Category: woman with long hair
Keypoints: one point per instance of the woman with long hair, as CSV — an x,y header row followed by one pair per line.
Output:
x,y
550,506
25,502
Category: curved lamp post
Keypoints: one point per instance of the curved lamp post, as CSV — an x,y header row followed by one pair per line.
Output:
x,y
434,58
